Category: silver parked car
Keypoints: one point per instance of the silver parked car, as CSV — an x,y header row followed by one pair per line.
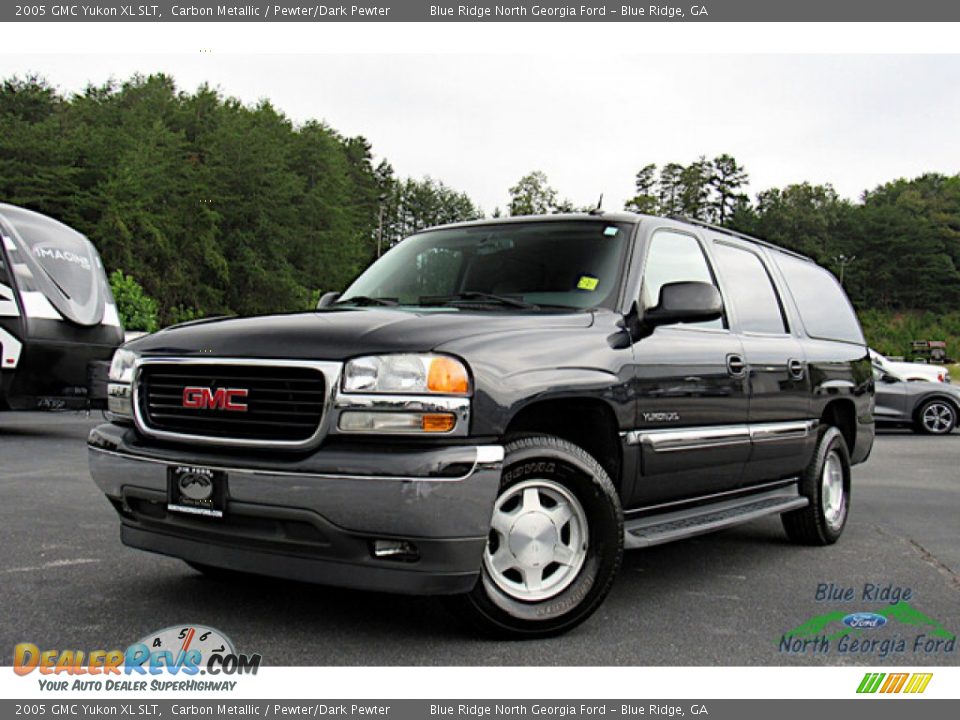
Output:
x,y
927,407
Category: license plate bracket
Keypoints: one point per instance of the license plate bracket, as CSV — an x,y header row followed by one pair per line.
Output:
x,y
194,490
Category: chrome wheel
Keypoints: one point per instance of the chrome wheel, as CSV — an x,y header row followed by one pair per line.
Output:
x,y
938,418
538,540
832,496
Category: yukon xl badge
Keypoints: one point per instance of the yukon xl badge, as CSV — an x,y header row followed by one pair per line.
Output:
x,y
661,417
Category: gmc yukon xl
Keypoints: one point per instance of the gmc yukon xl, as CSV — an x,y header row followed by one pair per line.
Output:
x,y
495,411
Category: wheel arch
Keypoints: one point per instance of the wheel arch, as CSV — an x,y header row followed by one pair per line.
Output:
x,y
841,413
586,422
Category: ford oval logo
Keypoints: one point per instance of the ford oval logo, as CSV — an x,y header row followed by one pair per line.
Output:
x,y
864,620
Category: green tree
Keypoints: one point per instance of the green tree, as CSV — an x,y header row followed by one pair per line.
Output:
x,y
670,189
137,310
645,200
727,180
532,195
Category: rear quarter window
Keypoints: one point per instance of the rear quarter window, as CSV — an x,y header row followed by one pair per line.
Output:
x,y
824,308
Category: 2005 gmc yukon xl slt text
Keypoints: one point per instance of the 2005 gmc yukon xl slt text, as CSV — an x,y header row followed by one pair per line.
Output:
x,y
495,411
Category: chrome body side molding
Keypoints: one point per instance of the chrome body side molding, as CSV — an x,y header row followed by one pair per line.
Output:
x,y
697,438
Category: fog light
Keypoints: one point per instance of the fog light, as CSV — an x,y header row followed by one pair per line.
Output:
x,y
399,550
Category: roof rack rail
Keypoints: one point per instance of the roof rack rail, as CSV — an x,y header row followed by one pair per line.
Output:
x,y
734,233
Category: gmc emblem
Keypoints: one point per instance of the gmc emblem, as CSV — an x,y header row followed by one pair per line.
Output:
x,y
204,398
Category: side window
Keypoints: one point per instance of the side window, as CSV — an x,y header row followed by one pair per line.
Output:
x,y
674,257
750,290
824,308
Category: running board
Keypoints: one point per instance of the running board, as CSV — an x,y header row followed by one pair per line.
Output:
x,y
667,527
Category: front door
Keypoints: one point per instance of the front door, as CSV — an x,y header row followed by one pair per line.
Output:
x,y
690,387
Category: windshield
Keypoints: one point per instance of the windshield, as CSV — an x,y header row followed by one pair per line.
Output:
x,y
568,264
59,262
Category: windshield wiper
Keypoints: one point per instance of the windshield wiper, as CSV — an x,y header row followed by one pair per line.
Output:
x,y
472,296
367,300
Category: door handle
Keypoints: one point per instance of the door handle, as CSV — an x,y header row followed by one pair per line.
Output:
x,y
736,366
796,369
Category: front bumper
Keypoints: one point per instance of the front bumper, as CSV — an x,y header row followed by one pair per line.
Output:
x,y
314,518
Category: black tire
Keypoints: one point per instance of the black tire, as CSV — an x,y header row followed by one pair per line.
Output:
x,y
547,462
936,417
814,524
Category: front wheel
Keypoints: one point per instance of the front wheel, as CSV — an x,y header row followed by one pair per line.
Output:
x,y
555,542
936,417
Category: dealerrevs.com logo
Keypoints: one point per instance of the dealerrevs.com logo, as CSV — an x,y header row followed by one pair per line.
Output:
x,y
184,651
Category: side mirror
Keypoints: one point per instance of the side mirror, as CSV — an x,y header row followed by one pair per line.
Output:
x,y
328,299
889,379
685,302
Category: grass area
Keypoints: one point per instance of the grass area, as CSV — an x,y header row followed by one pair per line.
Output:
x,y
954,372
891,333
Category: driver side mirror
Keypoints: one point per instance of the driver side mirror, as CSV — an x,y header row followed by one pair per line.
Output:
x,y
685,302
327,299
889,379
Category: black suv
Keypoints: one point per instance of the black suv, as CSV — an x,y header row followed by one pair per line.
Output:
x,y
495,411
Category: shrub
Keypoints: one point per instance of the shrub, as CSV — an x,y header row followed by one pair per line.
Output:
x,y
138,311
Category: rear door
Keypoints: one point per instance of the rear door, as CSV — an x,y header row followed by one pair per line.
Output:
x,y
777,375
690,386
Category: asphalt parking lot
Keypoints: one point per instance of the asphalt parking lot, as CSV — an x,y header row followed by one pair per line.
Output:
x,y
723,599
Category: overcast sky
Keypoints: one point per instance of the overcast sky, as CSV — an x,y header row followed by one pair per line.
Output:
x,y
479,123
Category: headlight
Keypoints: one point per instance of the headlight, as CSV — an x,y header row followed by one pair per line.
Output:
x,y
121,369
404,373
119,391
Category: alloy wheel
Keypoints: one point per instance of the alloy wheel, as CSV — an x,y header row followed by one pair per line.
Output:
x,y
538,540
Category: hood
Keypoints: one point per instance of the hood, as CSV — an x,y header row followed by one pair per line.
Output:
x,y
343,333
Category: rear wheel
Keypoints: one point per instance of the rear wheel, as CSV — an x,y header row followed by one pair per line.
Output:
x,y
555,543
936,417
826,483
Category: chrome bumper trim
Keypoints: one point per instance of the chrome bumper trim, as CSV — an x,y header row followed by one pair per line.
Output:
x,y
489,457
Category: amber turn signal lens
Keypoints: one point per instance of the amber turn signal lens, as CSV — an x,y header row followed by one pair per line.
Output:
x,y
438,422
447,376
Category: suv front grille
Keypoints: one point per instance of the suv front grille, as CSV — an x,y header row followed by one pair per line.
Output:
x,y
277,403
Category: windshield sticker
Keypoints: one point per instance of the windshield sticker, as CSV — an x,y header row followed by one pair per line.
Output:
x,y
611,231
588,282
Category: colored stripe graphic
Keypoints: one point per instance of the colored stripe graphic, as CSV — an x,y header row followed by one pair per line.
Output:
x,y
918,683
894,683
870,682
